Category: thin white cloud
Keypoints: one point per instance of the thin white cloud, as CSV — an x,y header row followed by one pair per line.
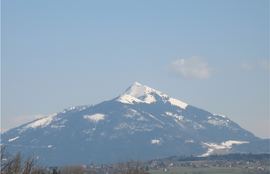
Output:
x,y
264,64
261,128
246,65
193,67
3,130
21,119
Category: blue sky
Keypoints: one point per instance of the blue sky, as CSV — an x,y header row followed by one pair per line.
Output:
x,y
210,54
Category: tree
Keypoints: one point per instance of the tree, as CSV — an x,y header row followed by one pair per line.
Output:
x,y
73,169
131,167
5,158
78,170
54,171
13,164
16,164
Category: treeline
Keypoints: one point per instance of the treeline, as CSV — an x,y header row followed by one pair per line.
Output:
x,y
229,157
20,164
128,167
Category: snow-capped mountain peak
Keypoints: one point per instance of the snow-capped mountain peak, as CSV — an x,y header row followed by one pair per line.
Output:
x,y
142,122
137,90
143,94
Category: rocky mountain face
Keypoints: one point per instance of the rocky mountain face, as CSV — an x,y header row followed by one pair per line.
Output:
x,y
142,123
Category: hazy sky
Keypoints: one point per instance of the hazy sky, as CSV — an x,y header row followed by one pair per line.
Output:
x,y
210,54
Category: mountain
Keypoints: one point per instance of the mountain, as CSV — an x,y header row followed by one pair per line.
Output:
x,y
142,123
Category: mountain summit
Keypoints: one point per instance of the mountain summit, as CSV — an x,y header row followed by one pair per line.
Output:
x,y
141,123
143,94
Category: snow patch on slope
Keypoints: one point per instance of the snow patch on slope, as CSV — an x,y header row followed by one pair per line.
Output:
x,y
231,142
13,139
133,127
189,141
131,113
224,145
94,118
175,116
155,141
198,126
155,118
57,126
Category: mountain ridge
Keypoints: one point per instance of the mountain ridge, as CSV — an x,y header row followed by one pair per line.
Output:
x,y
142,122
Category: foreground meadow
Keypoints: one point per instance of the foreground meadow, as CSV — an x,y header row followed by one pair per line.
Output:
x,y
210,170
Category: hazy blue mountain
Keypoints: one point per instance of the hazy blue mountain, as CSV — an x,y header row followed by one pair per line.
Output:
x,y
142,123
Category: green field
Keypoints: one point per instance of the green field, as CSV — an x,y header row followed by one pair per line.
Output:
x,y
180,170
213,170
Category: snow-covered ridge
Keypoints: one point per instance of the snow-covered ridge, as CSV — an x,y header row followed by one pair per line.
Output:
x,y
178,103
217,122
130,99
138,90
76,108
142,94
220,120
223,116
43,122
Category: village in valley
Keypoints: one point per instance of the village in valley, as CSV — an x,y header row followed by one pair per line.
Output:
x,y
231,163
